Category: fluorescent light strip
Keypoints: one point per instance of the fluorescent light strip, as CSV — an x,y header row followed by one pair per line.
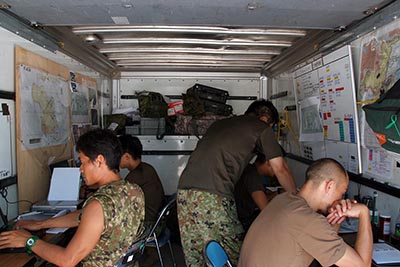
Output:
x,y
172,57
182,63
194,41
191,51
185,29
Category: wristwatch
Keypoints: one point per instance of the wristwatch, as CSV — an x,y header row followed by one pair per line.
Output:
x,y
30,242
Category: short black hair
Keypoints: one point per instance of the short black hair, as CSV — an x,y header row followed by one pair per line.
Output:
x,y
324,168
101,142
261,108
132,145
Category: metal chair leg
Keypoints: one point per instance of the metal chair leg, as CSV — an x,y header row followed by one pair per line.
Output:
x,y
158,250
172,253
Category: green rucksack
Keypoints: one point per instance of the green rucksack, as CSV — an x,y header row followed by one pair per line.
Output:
x,y
383,117
152,105
193,105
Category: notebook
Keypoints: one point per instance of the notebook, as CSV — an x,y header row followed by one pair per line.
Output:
x,y
63,192
384,253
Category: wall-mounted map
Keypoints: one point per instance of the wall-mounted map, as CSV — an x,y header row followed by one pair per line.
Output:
x,y
44,109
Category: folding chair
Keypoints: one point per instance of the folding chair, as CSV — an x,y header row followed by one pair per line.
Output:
x,y
162,238
133,254
152,239
215,255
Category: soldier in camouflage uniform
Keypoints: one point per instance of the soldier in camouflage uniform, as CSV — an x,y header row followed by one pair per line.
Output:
x,y
206,205
123,206
110,221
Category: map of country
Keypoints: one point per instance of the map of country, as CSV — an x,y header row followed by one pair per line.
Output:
x,y
380,65
46,104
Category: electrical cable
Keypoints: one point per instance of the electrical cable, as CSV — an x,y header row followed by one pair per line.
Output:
x,y
4,194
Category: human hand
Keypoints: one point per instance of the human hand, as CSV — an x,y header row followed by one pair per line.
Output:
x,y
340,210
346,208
14,239
27,224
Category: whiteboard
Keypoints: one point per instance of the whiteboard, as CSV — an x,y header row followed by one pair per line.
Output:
x,y
337,101
5,146
330,80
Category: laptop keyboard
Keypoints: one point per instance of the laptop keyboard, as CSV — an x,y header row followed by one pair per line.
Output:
x,y
39,234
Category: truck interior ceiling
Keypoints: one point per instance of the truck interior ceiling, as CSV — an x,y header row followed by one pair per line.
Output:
x,y
263,36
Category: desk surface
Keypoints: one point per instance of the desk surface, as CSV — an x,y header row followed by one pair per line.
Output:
x,y
23,259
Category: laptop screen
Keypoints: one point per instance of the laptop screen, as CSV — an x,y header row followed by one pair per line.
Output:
x,y
4,221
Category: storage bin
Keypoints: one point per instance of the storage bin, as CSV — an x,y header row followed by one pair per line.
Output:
x,y
152,126
133,130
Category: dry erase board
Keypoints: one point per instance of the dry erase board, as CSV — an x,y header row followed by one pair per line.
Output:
x,y
5,142
326,107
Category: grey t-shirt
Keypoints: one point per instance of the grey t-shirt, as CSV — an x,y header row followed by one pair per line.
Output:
x,y
224,151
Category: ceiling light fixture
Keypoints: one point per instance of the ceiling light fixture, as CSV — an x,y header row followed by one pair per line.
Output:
x,y
4,6
253,6
91,38
187,29
235,42
271,51
127,5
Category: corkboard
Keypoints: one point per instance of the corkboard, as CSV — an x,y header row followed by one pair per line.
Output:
x,y
32,165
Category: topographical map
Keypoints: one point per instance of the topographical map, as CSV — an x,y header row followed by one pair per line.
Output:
x,y
44,106
379,70
380,61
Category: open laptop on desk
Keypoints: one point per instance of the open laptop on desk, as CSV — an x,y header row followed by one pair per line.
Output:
x,y
64,191
6,227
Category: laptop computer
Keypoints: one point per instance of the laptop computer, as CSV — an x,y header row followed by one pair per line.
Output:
x,y
7,227
64,191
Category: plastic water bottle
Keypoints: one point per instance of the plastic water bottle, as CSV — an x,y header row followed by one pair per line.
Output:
x,y
397,226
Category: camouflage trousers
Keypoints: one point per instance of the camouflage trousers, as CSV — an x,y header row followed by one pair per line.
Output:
x,y
205,216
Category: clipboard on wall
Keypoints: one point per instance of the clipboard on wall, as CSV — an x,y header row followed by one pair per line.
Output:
x,y
5,142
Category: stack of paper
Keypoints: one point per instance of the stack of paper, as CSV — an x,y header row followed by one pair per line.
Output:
x,y
58,230
384,253
38,215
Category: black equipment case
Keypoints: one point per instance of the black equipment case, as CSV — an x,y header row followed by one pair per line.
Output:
x,y
217,108
209,93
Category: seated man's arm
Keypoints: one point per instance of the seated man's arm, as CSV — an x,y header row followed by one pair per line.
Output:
x,y
66,221
260,198
82,243
283,174
361,255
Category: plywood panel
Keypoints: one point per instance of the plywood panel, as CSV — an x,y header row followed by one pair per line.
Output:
x,y
32,165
